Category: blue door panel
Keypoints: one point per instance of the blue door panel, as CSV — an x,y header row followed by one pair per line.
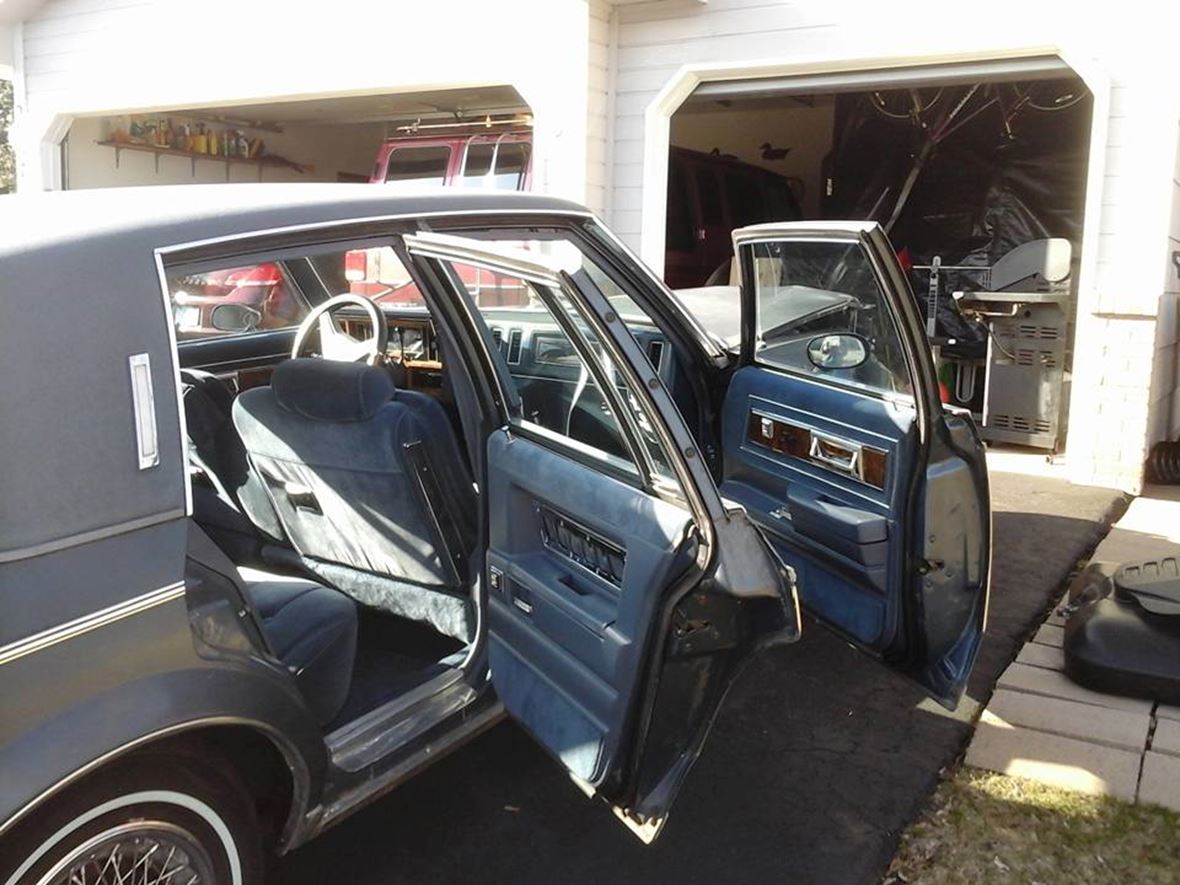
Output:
x,y
839,533
858,476
567,625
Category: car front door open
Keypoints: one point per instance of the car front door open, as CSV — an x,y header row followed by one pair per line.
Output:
x,y
622,595
835,441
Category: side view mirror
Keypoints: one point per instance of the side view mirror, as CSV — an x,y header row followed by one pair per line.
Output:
x,y
842,350
235,318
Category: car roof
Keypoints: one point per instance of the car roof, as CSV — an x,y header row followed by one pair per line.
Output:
x,y
154,217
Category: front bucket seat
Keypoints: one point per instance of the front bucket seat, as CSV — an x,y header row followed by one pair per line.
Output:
x,y
369,486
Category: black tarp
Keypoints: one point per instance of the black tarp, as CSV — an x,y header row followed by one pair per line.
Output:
x,y
980,192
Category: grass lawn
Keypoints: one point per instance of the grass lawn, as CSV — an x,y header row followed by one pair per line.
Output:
x,y
983,827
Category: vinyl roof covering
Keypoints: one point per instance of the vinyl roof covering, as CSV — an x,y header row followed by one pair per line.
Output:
x,y
80,298
166,216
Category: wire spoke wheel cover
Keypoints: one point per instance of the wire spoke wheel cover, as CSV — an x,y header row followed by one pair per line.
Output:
x,y
143,852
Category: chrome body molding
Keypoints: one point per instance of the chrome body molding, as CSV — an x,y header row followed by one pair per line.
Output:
x,y
79,626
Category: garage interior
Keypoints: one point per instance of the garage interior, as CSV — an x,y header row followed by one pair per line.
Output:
x,y
332,139
978,169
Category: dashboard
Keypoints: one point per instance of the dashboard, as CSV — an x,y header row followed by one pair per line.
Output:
x,y
530,343
546,370
412,347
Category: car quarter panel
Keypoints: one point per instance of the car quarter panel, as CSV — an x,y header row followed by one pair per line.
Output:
x,y
43,593
107,691
87,452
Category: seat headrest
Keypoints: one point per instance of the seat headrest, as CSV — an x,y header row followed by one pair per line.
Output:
x,y
325,390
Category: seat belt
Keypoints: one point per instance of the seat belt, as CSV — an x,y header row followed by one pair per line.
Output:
x,y
446,525
583,380
198,467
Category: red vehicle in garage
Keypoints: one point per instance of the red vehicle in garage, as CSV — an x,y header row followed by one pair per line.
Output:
x,y
259,295
491,160
484,160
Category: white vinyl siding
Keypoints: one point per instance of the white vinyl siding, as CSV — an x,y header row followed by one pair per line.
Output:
x,y
1165,386
599,106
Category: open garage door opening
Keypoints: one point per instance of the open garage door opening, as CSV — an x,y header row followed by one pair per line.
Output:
x,y
977,172
472,137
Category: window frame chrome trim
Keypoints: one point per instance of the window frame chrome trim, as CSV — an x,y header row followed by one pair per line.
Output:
x,y
174,357
546,279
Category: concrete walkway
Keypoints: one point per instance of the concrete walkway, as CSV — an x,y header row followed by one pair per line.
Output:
x,y
1040,725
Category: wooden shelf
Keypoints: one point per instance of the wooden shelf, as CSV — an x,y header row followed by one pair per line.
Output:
x,y
259,162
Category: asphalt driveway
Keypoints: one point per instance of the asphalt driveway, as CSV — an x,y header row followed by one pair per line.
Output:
x,y
818,759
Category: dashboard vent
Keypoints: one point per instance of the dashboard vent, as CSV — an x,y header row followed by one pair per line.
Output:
x,y
498,339
514,337
655,353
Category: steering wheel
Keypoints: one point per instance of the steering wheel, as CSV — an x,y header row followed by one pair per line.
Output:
x,y
335,343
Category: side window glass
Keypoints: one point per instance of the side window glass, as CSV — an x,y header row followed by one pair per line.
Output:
x,y
511,161
375,273
234,300
477,163
821,313
556,388
426,165
647,435
573,261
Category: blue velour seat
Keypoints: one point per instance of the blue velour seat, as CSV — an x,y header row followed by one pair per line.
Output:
x,y
309,628
368,484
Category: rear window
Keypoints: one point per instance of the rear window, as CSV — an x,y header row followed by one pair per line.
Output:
x,y
511,164
421,165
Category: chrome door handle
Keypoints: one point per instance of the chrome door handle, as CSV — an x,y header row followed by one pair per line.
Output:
x,y
835,453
